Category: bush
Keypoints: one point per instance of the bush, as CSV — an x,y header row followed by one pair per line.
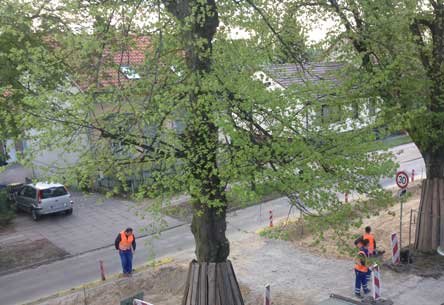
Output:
x,y
6,213
278,232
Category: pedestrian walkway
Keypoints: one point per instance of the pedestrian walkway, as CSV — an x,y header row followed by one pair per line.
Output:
x,y
94,224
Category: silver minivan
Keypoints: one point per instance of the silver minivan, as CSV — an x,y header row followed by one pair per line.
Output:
x,y
44,198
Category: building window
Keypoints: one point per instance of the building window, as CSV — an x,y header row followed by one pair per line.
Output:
x,y
330,113
371,107
355,110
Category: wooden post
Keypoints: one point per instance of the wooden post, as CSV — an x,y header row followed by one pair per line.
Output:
x,y
102,270
271,219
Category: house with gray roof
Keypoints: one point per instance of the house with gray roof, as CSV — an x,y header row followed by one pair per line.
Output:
x,y
316,83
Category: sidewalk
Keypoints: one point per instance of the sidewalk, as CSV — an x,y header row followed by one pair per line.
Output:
x,y
94,224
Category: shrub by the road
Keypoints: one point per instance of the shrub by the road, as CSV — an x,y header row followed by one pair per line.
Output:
x,y
6,213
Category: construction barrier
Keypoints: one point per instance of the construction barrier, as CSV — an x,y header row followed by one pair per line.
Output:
x,y
271,219
267,295
395,250
376,282
140,302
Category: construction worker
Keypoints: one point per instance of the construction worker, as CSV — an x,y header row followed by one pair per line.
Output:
x,y
359,242
361,269
371,240
126,244
371,248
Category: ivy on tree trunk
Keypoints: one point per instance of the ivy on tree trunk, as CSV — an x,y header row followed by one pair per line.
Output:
x,y
199,21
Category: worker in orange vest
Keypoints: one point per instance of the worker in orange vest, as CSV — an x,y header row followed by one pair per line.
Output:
x,y
371,247
126,244
361,269
371,240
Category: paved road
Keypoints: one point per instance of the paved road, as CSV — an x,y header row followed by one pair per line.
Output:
x,y
410,159
30,284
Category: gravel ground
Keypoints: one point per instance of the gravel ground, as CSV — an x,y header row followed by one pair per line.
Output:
x,y
298,277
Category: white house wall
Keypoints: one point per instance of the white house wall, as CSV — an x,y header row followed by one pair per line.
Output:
x,y
307,118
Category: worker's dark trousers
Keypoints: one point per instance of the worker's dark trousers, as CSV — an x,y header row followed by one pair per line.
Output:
x,y
126,257
361,281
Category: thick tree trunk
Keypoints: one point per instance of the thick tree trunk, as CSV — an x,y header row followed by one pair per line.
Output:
x,y
430,225
208,227
211,279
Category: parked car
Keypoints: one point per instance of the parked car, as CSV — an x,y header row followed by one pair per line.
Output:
x,y
44,198
12,190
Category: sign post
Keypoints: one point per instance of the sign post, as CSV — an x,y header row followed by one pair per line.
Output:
x,y
402,180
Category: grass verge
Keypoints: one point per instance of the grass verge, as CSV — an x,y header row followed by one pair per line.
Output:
x,y
333,235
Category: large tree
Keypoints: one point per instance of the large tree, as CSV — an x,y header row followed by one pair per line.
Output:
x,y
160,89
395,49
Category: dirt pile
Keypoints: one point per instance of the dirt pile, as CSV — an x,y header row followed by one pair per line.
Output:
x,y
162,285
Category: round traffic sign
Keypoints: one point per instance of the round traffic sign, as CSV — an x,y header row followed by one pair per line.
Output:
x,y
402,179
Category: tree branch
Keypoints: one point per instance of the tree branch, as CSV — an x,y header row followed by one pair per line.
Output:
x,y
419,40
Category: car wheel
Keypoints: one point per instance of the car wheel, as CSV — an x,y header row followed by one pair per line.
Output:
x,y
34,215
69,212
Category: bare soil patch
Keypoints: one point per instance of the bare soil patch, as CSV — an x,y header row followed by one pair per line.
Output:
x,y
160,285
26,253
424,265
7,229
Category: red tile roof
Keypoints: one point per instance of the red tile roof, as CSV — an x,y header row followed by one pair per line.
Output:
x,y
130,54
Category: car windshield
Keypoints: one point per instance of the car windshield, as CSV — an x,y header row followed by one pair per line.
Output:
x,y
54,192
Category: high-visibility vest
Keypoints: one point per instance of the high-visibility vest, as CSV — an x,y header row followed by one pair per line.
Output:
x,y
358,265
125,241
371,242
